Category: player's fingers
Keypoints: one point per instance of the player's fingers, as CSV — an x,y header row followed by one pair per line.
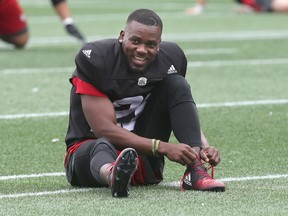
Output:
x,y
217,160
181,162
204,156
214,159
192,150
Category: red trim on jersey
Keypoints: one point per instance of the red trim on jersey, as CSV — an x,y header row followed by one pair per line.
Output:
x,y
83,87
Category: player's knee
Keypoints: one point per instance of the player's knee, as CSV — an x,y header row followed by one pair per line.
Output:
x,y
103,144
21,41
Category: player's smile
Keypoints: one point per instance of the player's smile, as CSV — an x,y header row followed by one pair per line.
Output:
x,y
141,59
139,62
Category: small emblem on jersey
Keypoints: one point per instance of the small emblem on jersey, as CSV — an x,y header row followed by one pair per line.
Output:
x,y
87,52
171,70
142,81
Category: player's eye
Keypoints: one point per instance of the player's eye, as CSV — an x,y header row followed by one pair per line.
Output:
x,y
135,41
152,45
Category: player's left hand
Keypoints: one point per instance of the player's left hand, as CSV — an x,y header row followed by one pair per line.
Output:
x,y
210,155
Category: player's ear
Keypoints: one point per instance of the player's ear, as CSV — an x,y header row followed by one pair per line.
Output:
x,y
121,35
159,45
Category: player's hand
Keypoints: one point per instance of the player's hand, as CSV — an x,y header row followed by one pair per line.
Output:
x,y
210,155
180,153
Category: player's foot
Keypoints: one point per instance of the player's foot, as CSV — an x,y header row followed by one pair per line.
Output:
x,y
73,31
196,10
122,171
196,177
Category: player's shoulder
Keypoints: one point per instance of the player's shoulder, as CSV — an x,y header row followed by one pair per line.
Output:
x,y
169,45
97,48
171,48
100,44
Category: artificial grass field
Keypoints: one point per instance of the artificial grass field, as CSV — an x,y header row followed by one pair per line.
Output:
x,y
238,74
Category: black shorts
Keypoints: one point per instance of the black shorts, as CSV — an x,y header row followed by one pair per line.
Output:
x,y
78,159
266,5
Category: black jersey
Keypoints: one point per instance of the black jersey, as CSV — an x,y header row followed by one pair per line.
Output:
x,y
103,65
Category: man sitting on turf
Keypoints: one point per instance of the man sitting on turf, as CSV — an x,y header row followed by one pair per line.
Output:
x,y
127,95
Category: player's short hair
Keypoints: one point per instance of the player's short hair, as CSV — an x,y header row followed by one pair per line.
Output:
x,y
146,17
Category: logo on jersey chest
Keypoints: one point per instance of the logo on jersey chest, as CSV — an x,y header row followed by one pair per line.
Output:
x,y
142,81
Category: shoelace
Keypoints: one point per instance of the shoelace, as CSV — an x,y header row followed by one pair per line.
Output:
x,y
212,170
204,173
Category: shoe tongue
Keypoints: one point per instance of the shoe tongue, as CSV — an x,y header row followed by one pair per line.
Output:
x,y
198,164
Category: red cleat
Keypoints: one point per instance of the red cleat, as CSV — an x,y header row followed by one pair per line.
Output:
x,y
196,177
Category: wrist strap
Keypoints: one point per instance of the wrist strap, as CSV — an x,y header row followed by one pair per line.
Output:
x,y
154,146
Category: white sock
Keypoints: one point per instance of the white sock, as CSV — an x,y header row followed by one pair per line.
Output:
x,y
68,21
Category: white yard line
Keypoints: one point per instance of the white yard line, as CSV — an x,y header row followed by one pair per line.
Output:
x,y
211,51
43,193
179,37
243,103
39,175
33,115
244,178
37,70
227,36
250,62
205,105
173,184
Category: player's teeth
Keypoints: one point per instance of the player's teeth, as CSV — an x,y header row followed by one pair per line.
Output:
x,y
140,59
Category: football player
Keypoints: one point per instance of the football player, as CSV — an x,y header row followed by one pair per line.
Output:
x,y
128,94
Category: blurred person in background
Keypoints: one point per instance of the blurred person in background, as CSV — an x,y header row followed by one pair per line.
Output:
x,y
13,23
248,6
63,11
197,9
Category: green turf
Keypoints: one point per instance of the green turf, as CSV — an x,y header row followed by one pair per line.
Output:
x,y
252,139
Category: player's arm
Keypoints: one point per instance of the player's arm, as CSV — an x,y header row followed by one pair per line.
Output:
x,y
101,117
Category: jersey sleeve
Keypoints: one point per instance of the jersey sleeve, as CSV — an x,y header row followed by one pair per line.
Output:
x,y
90,66
182,63
176,56
183,69
83,87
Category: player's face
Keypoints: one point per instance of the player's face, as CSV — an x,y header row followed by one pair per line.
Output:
x,y
140,44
